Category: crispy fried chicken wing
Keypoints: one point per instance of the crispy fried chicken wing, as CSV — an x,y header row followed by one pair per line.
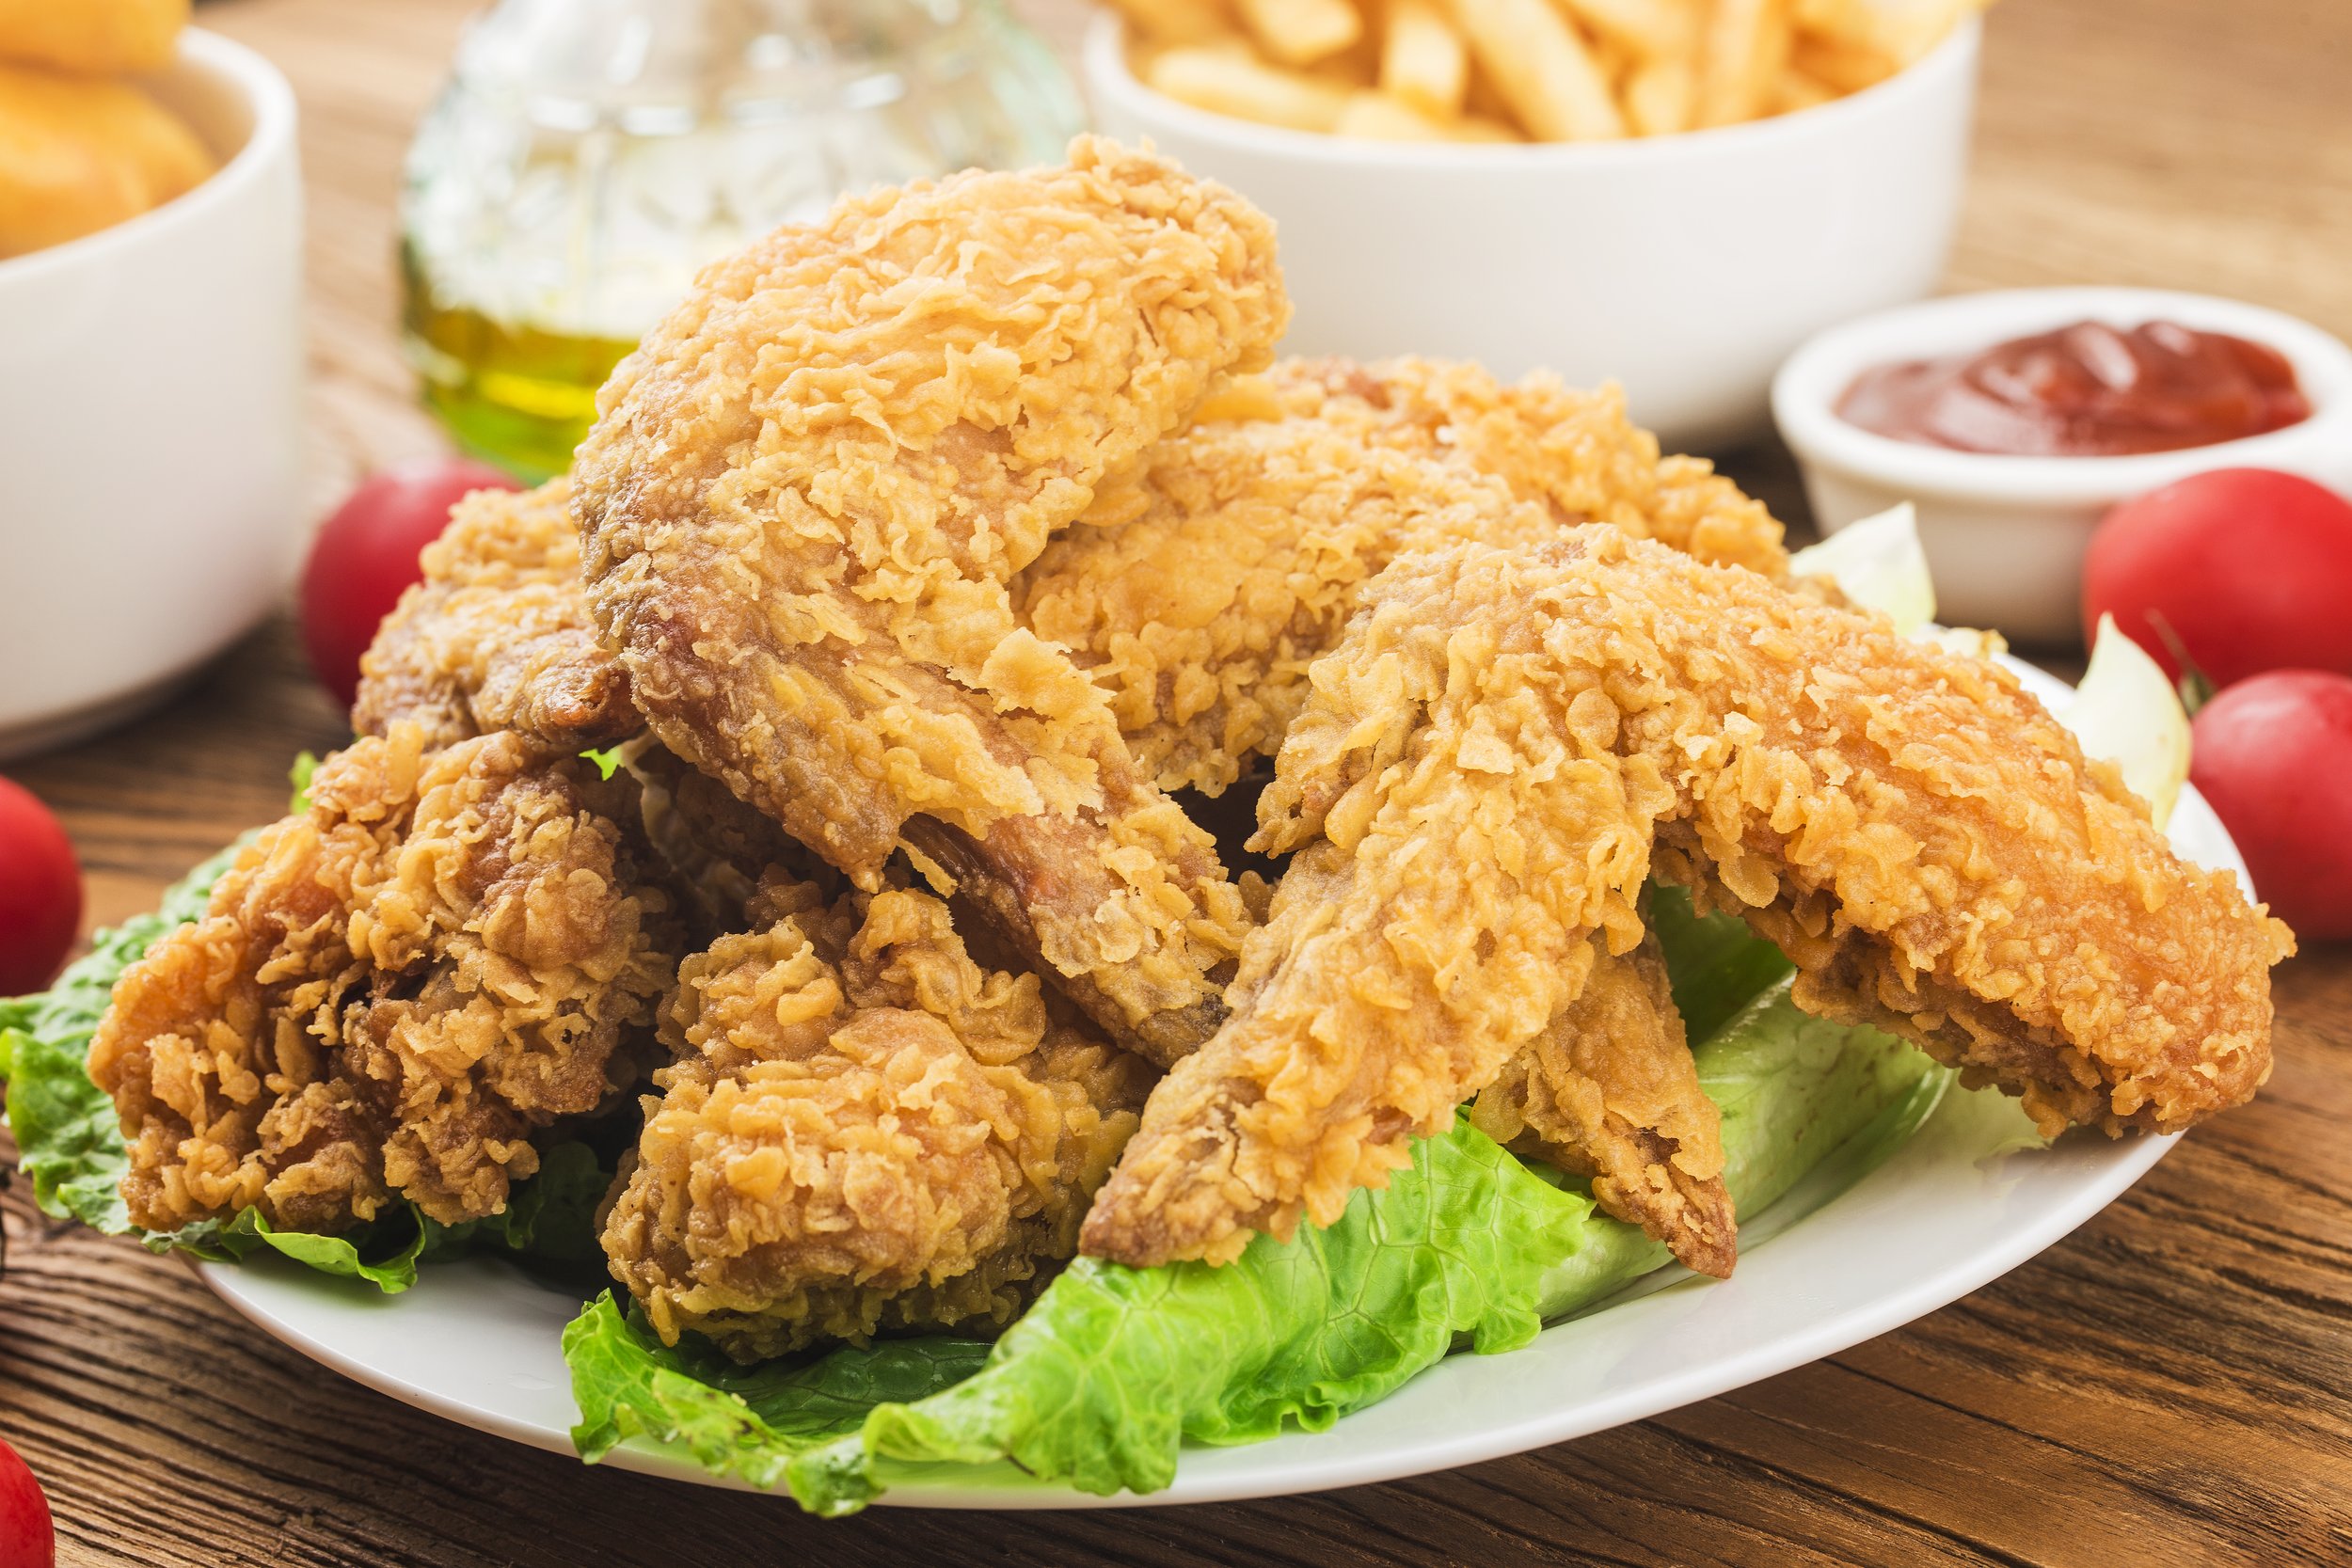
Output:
x,y
1607,1089
808,490
388,995
1489,754
498,635
864,1131
1199,591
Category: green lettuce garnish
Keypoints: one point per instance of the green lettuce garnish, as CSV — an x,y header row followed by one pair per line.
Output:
x,y
735,1421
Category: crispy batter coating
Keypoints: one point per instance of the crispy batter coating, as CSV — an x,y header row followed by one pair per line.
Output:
x,y
1607,1089
388,995
498,635
809,487
1199,590
1489,752
865,1132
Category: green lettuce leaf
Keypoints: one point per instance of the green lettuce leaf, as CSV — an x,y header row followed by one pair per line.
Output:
x,y
1714,963
1794,1090
733,1420
1111,1368
383,1253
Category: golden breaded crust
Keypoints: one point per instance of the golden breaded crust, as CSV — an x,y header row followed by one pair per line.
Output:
x,y
498,635
1607,1089
809,487
387,995
864,1131
1488,754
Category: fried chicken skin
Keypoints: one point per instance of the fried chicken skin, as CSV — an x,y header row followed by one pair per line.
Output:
x,y
1200,590
864,1131
498,635
1607,1089
1490,752
388,995
808,489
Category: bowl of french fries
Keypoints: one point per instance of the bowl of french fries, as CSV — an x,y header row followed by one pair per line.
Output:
x,y
1667,193
151,299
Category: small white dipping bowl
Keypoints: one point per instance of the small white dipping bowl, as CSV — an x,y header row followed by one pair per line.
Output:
x,y
1685,267
150,421
2004,537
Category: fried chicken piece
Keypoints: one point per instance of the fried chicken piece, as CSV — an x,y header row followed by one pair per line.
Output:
x,y
1199,592
1607,1090
498,635
388,995
865,1133
1576,451
1489,752
808,490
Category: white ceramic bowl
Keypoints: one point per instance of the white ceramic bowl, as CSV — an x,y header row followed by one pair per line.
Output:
x,y
1684,267
151,427
2004,537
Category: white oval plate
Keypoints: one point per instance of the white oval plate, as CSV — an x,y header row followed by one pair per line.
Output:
x,y
1968,1197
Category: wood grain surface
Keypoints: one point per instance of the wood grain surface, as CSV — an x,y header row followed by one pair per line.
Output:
x,y
2171,1385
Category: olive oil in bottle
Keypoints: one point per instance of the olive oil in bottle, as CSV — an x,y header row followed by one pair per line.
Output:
x,y
588,157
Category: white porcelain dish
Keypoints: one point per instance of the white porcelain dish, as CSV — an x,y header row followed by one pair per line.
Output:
x,y
151,424
1683,267
2004,537
1966,1200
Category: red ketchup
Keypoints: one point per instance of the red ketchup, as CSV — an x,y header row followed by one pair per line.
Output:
x,y
2086,390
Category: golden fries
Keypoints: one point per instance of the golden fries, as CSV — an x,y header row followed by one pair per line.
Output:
x,y
1210,78
1487,70
1423,64
1300,32
1542,67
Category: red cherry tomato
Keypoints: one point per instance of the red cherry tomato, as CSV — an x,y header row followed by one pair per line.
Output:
x,y
2274,755
41,893
366,553
2247,569
27,1538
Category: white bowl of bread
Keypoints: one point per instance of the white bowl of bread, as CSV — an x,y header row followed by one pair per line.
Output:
x,y
151,357
1681,226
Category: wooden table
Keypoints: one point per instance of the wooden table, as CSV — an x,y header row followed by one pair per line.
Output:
x,y
2171,1385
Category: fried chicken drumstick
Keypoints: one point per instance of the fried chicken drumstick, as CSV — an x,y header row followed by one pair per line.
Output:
x,y
863,1131
1489,754
808,490
388,994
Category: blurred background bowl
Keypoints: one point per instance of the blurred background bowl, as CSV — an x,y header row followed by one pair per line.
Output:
x,y
151,424
1683,267
2004,537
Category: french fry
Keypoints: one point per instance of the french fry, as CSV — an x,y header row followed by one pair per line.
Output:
x,y
92,38
1659,97
1542,67
1743,47
1794,89
1901,30
1846,65
1300,32
1176,21
1422,61
1647,29
1209,78
1377,117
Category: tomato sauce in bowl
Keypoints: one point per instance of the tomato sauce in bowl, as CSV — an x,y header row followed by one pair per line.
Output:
x,y
2084,390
